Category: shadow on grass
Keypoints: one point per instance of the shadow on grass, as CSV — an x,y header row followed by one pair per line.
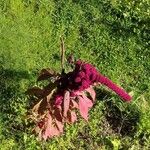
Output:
x,y
10,99
123,122
9,81
10,88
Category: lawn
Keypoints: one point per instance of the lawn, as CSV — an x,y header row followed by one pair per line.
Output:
x,y
113,35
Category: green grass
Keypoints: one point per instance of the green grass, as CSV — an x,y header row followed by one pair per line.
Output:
x,y
113,35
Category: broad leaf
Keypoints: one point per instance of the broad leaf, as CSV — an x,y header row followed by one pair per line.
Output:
x,y
89,102
43,104
73,117
46,74
35,91
49,88
50,95
84,105
50,129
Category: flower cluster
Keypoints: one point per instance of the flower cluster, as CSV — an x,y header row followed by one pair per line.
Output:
x,y
83,76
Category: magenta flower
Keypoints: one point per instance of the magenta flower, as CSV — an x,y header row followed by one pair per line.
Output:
x,y
85,75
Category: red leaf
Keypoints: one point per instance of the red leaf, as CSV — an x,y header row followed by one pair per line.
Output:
x,y
66,103
84,105
48,125
50,129
89,103
83,108
76,93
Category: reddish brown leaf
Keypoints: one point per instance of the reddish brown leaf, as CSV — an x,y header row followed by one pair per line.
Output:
x,y
59,125
35,91
50,95
40,107
35,109
49,88
38,131
43,104
48,125
46,74
58,114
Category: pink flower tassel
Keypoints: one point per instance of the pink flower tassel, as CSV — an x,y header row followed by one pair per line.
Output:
x,y
118,90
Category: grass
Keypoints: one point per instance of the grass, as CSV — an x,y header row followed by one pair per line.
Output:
x,y
111,34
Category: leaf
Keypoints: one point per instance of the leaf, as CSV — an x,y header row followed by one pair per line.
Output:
x,y
35,91
66,103
71,116
89,102
76,93
60,125
43,104
50,95
74,104
40,107
49,88
46,74
50,129
38,131
92,93
84,105
48,125
36,107
83,108
58,114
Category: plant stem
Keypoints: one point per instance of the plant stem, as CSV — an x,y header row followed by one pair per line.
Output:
x,y
62,49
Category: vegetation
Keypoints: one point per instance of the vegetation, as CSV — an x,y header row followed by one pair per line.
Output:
x,y
111,34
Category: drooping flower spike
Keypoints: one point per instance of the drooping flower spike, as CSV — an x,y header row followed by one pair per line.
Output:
x,y
88,75
68,93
